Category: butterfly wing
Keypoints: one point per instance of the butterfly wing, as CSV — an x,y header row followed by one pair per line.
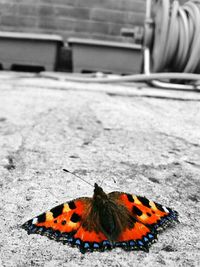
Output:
x,y
149,217
146,211
68,223
138,237
150,213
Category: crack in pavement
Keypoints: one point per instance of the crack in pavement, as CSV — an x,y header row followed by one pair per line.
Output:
x,y
183,140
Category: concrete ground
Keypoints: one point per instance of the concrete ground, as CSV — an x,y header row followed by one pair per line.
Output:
x,y
148,140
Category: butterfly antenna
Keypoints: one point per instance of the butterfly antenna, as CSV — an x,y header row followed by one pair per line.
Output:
x,y
106,179
65,170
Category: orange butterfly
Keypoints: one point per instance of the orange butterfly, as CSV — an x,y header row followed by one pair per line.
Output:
x,y
104,221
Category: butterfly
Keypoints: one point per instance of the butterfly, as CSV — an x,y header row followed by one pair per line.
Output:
x,y
104,221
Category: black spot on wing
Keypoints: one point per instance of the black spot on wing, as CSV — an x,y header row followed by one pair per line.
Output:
x,y
41,218
144,201
75,218
159,207
137,211
130,197
57,210
63,222
148,214
72,205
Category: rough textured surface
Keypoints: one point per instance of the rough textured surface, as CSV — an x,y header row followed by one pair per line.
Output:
x,y
147,140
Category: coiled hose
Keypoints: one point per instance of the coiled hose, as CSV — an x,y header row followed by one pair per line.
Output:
x,y
176,45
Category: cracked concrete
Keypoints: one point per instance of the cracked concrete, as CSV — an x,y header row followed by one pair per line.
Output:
x,y
148,143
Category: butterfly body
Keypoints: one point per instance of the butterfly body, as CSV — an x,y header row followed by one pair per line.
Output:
x,y
104,221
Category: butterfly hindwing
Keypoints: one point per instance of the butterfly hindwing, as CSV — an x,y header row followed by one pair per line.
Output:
x,y
139,237
91,240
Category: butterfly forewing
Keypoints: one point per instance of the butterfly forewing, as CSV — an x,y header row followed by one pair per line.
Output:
x,y
63,219
146,211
